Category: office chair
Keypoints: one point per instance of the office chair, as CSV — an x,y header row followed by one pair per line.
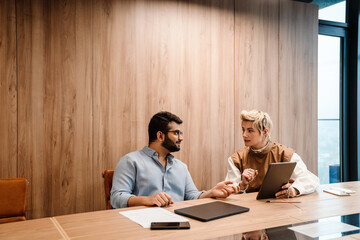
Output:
x,y
108,178
13,199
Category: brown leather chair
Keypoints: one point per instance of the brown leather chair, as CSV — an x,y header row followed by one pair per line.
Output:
x,y
13,199
108,178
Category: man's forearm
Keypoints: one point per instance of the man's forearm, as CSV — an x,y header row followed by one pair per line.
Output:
x,y
138,201
206,194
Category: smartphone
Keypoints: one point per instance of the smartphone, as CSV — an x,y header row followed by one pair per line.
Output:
x,y
169,225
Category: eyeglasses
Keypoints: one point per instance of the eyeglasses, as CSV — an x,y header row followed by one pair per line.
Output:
x,y
177,133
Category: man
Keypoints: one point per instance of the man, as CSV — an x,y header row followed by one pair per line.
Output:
x,y
152,176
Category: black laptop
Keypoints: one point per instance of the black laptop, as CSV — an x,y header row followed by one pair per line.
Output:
x,y
210,211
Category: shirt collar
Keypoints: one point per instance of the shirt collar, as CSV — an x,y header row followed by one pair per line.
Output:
x,y
152,153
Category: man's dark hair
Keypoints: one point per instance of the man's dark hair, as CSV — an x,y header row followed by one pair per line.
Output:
x,y
160,122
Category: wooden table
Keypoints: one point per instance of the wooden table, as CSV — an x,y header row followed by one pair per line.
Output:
x,y
44,228
109,224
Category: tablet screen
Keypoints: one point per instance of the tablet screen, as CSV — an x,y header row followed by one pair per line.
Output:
x,y
277,175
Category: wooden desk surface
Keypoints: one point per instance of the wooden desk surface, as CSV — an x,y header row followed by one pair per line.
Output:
x,y
351,237
43,228
109,224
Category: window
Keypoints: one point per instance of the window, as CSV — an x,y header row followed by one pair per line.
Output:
x,y
329,80
339,90
332,27
332,10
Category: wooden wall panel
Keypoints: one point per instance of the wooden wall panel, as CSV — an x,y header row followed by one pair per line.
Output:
x,y
207,104
298,79
256,62
92,73
55,105
164,55
8,91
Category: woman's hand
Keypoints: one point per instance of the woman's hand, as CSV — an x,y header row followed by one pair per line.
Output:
x,y
287,192
248,176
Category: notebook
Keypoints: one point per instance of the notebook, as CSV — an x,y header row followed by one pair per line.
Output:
x,y
276,176
210,211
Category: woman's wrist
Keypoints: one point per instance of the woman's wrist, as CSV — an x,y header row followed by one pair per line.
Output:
x,y
243,187
297,192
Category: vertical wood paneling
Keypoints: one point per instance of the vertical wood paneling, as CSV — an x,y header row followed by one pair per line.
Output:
x,y
256,62
207,96
92,73
298,79
164,55
8,91
55,105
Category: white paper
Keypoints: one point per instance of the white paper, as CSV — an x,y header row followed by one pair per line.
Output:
x,y
315,230
336,192
145,216
343,190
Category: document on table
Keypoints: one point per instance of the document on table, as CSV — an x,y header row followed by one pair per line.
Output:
x,y
315,230
339,191
145,216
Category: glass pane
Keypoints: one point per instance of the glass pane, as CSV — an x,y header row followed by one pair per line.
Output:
x,y
329,66
329,151
332,10
328,77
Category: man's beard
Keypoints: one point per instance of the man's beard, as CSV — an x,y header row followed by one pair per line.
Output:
x,y
170,145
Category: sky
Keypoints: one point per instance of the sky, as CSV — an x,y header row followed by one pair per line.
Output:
x,y
329,65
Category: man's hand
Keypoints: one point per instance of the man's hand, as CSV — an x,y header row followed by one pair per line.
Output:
x,y
222,190
161,199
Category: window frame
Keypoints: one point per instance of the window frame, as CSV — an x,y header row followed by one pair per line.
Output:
x,y
349,88
328,28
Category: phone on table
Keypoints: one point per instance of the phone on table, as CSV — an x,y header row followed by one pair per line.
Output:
x,y
169,225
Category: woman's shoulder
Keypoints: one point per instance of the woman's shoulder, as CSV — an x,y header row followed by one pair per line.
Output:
x,y
280,146
240,154
282,151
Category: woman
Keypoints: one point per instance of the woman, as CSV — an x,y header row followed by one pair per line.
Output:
x,y
248,166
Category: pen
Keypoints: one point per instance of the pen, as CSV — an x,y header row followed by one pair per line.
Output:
x,y
282,202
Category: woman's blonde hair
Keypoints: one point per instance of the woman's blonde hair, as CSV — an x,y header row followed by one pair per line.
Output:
x,y
261,120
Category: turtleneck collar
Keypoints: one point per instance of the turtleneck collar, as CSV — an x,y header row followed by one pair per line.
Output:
x,y
261,149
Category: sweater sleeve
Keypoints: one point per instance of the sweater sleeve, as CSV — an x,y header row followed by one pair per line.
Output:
x,y
305,181
233,173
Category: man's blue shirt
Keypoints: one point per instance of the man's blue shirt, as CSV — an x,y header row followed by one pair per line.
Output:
x,y
140,173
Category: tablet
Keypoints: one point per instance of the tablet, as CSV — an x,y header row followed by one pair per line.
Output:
x,y
210,211
277,175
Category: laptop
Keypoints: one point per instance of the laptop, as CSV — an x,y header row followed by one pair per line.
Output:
x,y
276,176
210,211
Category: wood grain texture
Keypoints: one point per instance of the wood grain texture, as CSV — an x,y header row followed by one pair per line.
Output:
x,y
164,55
262,215
40,229
298,79
109,224
8,91
92,73
256,50
55,105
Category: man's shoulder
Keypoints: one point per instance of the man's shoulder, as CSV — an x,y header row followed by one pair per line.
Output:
x,y
179,163
133,156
